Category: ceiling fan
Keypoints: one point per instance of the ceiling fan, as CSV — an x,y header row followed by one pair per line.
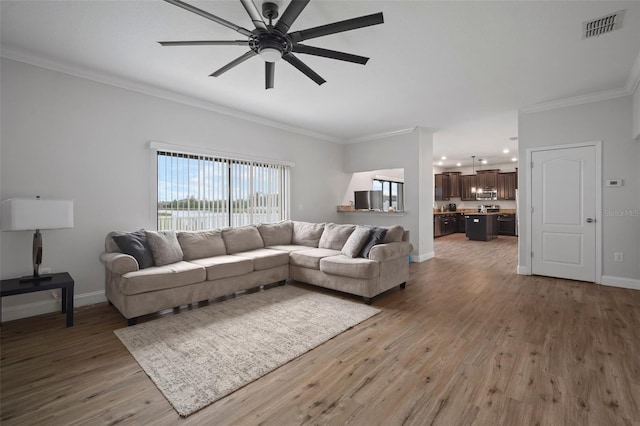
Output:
x,y
275,42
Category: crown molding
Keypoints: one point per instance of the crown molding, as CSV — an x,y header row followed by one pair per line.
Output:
x,y
632,83
147,89
380,135
576,100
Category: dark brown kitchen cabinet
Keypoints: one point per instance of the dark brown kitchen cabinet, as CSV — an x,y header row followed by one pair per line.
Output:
x,y
454,184
507,186
467,182
487,179
441,187
445,224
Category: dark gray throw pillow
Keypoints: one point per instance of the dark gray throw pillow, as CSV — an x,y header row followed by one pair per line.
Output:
x,y
376,237
135,244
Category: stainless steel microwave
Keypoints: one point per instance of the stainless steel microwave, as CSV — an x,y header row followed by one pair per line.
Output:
x,y
487,195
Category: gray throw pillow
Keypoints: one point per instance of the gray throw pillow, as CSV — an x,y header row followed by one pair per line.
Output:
x,y
356,241
135,244
376,237
164,247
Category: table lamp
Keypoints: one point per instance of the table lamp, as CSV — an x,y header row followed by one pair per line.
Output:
x,y
28,214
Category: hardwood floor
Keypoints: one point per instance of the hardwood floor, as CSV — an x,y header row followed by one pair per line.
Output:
x,y
467,342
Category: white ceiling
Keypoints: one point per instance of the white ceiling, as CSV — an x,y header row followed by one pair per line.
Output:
x,y
461,68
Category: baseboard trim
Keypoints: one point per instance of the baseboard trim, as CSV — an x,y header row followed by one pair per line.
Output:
x,y
630,283
522,270
423,257
11,313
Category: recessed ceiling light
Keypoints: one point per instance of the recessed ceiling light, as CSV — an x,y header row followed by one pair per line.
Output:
x,y
439,163
458,164
444,157
505,151
484,161
514,159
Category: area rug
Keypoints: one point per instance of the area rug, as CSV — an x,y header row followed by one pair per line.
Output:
x,y
199,356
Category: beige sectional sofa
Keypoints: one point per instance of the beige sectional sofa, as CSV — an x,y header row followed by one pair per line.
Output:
x,y
190,267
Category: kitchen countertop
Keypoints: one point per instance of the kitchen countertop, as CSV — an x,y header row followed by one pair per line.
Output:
x,y
474,211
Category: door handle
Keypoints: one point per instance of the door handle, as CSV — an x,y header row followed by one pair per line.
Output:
x,y
589,220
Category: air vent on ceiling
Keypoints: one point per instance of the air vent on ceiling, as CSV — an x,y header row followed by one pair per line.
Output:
x,y
603,25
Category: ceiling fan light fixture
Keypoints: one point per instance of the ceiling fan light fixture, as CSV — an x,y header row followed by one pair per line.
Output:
x,y
270,54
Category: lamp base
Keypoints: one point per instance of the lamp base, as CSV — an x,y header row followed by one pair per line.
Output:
x,y
35,279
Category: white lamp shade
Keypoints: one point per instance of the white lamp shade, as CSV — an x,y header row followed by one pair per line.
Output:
x,y
22,214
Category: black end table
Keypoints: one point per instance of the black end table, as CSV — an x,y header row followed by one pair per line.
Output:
x,y
62,280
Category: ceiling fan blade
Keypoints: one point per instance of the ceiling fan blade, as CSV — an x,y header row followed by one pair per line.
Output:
x,y
337,27
208,15
254,14
289,57
270,70
326,53
233,63
290,15
206,43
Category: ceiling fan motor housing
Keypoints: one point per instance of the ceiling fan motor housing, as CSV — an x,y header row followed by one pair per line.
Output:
x,y
272,39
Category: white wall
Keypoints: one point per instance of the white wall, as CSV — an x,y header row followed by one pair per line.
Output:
x,y
610,122
412,152
67,137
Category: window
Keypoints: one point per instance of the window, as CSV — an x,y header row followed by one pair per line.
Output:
x,y
392,194
203,192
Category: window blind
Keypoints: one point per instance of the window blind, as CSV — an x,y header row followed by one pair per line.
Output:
x,y
202,192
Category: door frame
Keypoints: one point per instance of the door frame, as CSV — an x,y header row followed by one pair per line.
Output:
x,y
598,200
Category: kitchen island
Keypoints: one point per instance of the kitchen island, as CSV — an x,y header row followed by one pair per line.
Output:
x,y
481,226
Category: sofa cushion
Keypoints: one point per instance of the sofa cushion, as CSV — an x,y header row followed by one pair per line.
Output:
x,y
242,238
310,258
334,236
265,258
356,241
162,277
345,266
288,247
201,244
276,233
376,237
164,247
307,234
135,244
394,234
225,266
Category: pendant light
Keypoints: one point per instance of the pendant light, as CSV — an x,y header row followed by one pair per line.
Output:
x,y
473,167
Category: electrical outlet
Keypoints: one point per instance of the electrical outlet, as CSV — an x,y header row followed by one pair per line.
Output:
x,y
618,257
45,270
56,297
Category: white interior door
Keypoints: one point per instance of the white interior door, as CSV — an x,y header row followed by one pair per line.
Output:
x,y
563,216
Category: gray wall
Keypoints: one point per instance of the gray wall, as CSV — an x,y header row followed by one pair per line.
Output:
x,y
636,113
611,122
413,152
71,138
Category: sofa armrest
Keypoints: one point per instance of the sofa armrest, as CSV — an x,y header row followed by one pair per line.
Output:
x,y
119,263
388,251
